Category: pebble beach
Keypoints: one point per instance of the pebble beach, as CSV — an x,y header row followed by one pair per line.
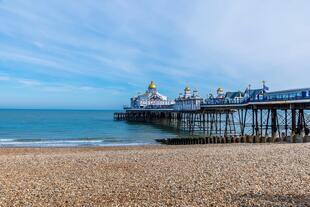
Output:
x,y
155,175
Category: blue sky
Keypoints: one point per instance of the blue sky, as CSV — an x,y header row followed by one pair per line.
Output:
x,y
95,54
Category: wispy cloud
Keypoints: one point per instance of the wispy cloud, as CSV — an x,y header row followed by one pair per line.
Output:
x,y
20,81
119,46
57,87
29,82
4,78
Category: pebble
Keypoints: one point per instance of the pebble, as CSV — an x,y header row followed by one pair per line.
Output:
x,y
200,175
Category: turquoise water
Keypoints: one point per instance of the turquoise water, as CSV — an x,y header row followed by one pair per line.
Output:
x,y
45,128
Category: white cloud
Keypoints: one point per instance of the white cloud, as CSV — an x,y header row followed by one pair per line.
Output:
x,y
253,38
202,43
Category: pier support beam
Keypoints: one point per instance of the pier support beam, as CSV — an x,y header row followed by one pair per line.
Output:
x,y
273,123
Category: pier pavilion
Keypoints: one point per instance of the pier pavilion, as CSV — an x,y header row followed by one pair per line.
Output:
x,y
189,101
151,99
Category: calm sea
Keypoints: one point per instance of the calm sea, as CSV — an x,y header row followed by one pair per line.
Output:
x,y
45,128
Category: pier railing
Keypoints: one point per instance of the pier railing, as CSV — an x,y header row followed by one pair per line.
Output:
x,y
258,100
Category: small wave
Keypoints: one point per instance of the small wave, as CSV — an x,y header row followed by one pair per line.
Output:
x,y
62,143
7,140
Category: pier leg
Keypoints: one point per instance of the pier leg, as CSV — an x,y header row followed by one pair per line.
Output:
x,y
273,124
256,122
267,123
261,122
293,122
253,122
286,125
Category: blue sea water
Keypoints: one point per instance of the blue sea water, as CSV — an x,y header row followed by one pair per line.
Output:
x,y
67,128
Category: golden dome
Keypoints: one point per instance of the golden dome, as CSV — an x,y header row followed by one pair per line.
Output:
x,y
187,88
152,85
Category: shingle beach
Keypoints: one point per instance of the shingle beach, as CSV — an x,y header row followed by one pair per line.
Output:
x,y
200,175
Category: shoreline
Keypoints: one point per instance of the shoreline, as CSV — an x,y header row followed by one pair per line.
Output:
x,y
125,145
69,144
139,146
157,175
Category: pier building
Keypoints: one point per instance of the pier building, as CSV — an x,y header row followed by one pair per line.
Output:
x,y
188,101
253,94
234,97
225,98
151,99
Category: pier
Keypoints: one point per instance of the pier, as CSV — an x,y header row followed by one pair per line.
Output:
x,y
253,116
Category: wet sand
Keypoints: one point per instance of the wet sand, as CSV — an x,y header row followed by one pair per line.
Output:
x,y
200,175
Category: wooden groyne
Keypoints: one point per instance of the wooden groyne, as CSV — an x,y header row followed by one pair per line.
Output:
x,y
231,139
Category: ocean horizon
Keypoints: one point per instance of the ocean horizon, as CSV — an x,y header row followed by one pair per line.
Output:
x,y
73,128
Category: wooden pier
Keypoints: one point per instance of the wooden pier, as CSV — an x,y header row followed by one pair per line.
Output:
x,y
246,123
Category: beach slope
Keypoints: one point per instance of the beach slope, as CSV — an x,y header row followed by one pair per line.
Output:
x,y
201,175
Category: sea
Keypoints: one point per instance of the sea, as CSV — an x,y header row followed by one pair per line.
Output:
x,y
74,128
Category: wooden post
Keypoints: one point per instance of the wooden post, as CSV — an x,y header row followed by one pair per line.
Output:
x,y
261,122
273,123
293,122
256,122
